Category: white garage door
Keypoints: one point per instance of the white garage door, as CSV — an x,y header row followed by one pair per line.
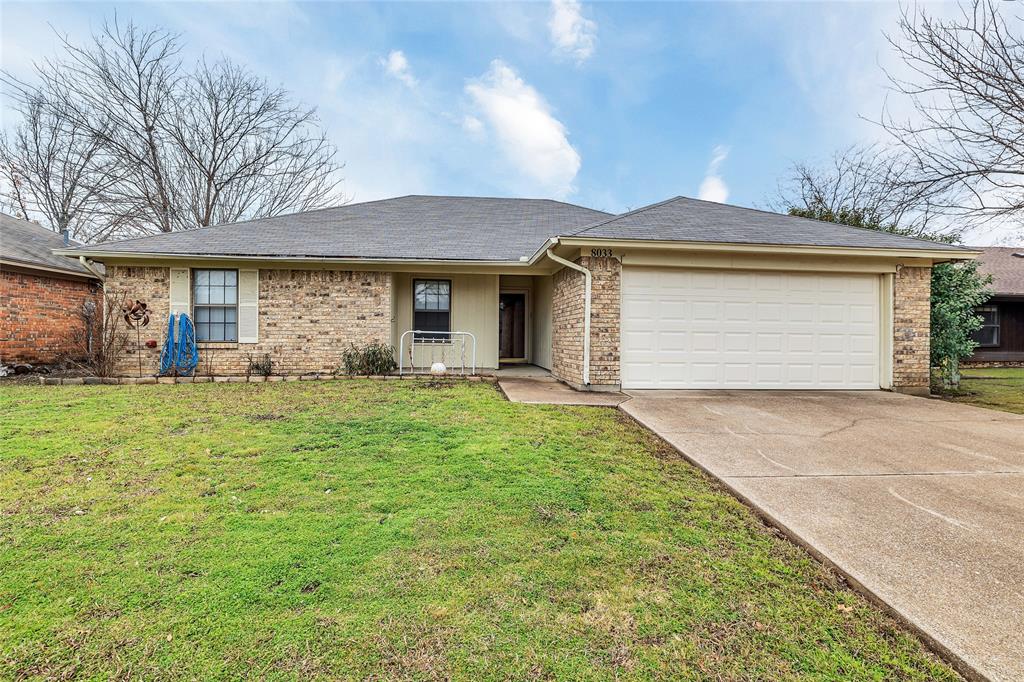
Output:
x,y
743,329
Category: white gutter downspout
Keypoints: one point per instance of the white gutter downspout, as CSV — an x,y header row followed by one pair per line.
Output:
x,y
586,311
87,264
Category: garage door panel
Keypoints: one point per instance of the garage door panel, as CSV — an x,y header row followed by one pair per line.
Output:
x,y
734,329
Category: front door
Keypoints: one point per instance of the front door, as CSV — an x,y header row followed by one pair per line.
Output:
x,y
512,327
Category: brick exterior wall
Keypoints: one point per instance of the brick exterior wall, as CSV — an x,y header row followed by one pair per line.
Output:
x,y
307,318
567,326
39,315
911,329
567,322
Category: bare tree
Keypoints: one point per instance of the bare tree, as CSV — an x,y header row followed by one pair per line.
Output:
x,y
869,180
966,83
242,150
186,147
53,168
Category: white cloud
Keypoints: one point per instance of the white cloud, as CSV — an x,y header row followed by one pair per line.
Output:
x,y
713,188
473,125
573,34
398,66
531,138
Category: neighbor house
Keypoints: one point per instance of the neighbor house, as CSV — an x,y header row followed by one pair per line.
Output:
x,y
1001,338
42,296
681,294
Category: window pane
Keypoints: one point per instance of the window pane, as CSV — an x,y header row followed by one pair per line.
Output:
x,y
231,295
230,332
431,295
217,277
216,314
231,277
202,315
202,277
230,315
216,295
986,336
202,295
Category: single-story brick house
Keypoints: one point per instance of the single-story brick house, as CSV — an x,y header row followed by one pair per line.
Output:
x,y
683,293
41,294
1001,339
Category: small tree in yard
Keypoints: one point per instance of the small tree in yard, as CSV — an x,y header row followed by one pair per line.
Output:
x,y
957,289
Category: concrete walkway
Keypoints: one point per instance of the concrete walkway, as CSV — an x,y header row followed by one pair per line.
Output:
x,y
919,501
552,392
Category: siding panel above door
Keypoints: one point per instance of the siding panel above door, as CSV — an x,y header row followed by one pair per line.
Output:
x,y
744,329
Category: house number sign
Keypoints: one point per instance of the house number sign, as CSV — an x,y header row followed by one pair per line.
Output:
x,y
601,253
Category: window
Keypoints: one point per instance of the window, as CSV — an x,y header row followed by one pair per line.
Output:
x,y
988,335
432,308
215,304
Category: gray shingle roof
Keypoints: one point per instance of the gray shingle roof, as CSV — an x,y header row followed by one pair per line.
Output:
x,y
31,245
693,220
411,227
1006,265
489,229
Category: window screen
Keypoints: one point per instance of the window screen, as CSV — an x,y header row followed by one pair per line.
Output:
x,y
432,308
988,335
215,304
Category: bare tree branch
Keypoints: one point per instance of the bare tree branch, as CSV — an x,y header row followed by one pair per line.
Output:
x,y
966,85
869,183
121,137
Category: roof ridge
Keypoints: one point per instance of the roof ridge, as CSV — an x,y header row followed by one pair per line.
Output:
x,y
764,212
627,213
473,196
826,222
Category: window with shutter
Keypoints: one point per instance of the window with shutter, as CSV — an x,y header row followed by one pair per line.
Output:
x,y
215,304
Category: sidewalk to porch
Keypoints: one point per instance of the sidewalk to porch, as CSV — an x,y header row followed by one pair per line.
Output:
x,y
532,384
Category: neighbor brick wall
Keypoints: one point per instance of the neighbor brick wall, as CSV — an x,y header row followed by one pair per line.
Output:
x,y
39,314
911,327
307,318
567,322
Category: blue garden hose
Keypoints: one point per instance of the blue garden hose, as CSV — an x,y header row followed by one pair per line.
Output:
x,y
179,355
167,353
188,355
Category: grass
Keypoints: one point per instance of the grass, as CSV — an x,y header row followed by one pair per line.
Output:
x,y
998,388
383,530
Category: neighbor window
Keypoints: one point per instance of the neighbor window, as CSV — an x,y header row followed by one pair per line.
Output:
x,y
215,304
432,308
988,335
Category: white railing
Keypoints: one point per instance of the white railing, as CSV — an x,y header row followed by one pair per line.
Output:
x,y
445,347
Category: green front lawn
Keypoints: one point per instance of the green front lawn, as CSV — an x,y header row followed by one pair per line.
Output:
x,y
999,388
385,530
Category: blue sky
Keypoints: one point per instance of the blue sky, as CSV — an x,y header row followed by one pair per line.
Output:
x,y
611,105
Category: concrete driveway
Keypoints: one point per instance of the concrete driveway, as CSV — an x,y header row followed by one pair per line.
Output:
x,y
920,501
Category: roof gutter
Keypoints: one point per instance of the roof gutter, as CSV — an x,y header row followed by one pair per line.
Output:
x,y
87,264
586,308
959,253
130,255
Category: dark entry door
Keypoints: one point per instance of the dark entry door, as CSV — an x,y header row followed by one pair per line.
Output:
x,y
512,326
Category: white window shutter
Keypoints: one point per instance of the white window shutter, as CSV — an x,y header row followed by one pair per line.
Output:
x,y
181,291
248,306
